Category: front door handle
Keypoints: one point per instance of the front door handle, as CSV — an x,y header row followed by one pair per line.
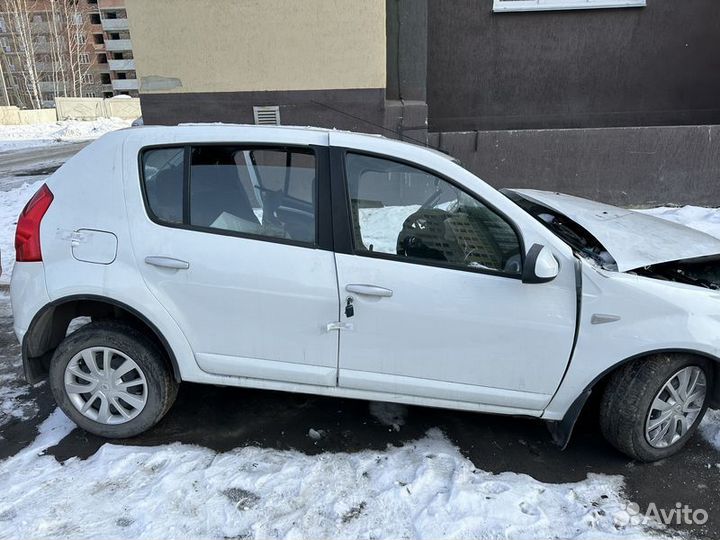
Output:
x,y
167,262
368,290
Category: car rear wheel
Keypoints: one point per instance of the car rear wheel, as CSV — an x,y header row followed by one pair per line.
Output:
x,y
111,380
651,407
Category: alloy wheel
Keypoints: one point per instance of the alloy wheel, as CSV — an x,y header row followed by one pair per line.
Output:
x,y
676,407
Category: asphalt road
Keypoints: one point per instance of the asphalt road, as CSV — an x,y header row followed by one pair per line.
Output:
x,y
225,418
16,165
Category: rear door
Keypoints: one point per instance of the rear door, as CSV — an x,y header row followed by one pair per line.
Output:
x,y
231,241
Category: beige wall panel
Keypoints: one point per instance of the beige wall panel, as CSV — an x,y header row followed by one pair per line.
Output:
x,y
244,45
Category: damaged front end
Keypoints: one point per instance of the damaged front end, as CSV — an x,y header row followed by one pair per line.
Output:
x,y
702,272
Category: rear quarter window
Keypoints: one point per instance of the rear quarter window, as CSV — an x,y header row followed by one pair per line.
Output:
x,y
163,178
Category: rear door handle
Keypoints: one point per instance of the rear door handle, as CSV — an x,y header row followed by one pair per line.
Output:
x,y
368,290
167,262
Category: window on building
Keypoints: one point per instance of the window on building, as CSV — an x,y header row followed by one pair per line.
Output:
x,y
110,15
98,39
550,5
3,26
88,78
94,18
84,58
105,78
121,75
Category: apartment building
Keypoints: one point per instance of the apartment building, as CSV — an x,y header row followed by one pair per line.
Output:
x,y
77,47
611,99
113,49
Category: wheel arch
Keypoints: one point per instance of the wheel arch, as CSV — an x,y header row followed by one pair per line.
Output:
x,y
561,430
49,327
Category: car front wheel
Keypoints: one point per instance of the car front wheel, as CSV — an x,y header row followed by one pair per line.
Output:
x,y
111,380
651,407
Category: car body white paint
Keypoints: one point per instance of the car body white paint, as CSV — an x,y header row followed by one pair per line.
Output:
x,y
506,346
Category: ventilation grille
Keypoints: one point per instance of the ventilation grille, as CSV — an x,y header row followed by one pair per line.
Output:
x,y
267,116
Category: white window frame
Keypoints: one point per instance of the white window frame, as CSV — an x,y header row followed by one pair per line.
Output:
x,y
500,6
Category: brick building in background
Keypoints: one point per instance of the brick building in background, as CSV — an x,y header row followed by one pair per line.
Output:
x,y
610,99
100,64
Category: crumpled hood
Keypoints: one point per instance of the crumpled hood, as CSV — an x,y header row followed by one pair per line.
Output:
x,y
634,239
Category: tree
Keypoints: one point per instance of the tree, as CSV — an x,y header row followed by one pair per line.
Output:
x,y
61,38
24,44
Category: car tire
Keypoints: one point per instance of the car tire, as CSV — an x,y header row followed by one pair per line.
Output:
x,y
121,404
638,403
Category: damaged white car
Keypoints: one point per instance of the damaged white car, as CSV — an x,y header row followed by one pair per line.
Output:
x,y
341,264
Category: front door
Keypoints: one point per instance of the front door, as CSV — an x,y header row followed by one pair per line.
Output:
x,y
230,247
432,290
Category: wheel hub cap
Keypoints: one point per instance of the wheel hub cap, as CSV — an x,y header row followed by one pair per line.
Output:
x,y
676,407
105,385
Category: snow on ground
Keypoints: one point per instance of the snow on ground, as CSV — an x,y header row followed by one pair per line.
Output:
x,y
424,489
389,414
11,204
25,136
15,400
710,427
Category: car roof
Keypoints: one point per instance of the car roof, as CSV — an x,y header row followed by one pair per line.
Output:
x,y
212,130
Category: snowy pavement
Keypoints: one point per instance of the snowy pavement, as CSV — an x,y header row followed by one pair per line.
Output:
x,y
44,135
239,463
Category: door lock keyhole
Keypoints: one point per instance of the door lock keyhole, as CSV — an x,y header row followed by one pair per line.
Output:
x,y
349,308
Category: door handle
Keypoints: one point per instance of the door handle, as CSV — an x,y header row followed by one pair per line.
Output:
x,y
167,262
368,290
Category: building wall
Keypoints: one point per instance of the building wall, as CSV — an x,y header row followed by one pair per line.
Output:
x,y
656,65
230,46
628,166
208,60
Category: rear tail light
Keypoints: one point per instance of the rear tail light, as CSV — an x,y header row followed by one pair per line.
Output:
x,y
27,234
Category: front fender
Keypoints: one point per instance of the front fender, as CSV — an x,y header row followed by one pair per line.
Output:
x,y
624,317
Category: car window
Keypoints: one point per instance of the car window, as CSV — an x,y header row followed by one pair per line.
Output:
x,y
163,177
264,192
411,214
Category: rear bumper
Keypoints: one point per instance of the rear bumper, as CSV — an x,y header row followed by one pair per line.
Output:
x,y
28,295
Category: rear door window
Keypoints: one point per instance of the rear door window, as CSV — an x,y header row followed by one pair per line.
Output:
x,y
230,189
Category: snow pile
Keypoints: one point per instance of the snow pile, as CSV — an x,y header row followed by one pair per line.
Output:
x,y
710,427
11,204
703,219
425,489
32,135
380,227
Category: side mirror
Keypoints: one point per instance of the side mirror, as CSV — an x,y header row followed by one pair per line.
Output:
x,y
540,265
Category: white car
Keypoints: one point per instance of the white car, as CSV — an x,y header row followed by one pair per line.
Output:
x,y
341,264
